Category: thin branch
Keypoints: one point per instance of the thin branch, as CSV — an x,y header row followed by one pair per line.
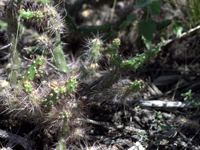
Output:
x,y
15,139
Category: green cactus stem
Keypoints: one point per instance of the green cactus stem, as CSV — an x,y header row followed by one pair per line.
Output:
x,y
34,68
94,50
65,115
61,145
15,61
137,61
52,98
59,57
53,22
71,84
27,86
29,75
41,1
27,14
56,91
13,27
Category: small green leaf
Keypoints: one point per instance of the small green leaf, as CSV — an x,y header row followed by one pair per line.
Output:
x,y
147,28
162,24
159,112
129,20
177,28
141,3
146,42
154,8
183,94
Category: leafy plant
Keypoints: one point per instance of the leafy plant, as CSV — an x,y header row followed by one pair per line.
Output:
x,y
158,117
178,28
188,97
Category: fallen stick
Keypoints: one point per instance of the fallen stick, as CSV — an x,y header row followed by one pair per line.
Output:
x,y
15,139
163,104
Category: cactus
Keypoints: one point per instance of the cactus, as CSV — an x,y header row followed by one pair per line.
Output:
x,y
61,145
30,15
64,88
137,61
53,26
34,68
71,84
27,86
111,51
59,58
132,87
93,52
13,32
118,67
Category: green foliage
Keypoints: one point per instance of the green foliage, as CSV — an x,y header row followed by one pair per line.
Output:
x,y
157,122
115,58
27,86
94,50
65,115
190,100
130,19
154,7
136,61
33,69
188,95
142,3
30,15
59,57
135,86
71,84
53,24
162,24
116,43
41,1
178,28
147,28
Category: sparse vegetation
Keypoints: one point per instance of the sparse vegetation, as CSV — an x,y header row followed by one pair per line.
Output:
x,y
72,95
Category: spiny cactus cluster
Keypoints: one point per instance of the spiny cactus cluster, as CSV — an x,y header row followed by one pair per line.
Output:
x,y
117,67
55,101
